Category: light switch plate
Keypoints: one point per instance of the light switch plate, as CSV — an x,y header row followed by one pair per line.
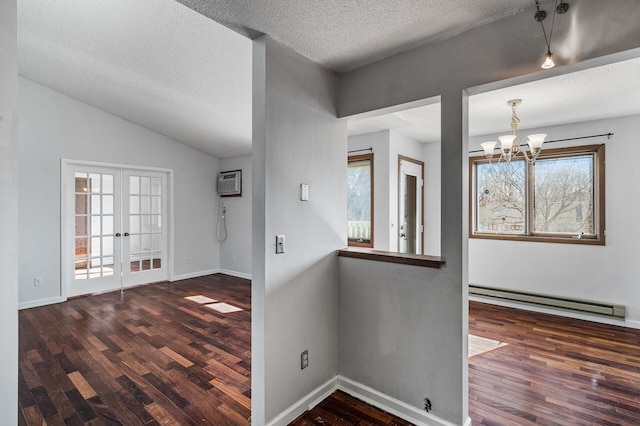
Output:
x,y
279,244
304,192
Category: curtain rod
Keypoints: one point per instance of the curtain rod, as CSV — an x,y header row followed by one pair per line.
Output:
x,y
608,135
359,150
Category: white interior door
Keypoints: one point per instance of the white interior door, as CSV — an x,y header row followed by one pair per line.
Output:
x,y
114,228
410,207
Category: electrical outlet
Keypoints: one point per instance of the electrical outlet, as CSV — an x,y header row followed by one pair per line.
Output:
x,y
37,281
279,244
185,259
304,359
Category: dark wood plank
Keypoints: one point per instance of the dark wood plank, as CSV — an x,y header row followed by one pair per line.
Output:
x,y
146,358
341,409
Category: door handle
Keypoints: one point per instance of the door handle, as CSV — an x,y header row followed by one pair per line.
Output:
x,y
126,234
117,234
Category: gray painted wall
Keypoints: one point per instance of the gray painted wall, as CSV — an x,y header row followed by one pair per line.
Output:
x,y
388,311
512,48
235,251
607,273
8,215
297,139
54,126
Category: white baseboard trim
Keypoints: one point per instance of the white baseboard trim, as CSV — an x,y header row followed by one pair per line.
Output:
x,y
364,393
390,404
194,275
632,324
235,274
309,401
41,302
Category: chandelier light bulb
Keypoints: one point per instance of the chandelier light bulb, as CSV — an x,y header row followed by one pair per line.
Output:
x,y
535,143
488,148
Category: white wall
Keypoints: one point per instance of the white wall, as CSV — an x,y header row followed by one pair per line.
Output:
x,y
235,251
54,126
605,273
297,139
432,198
8,216
379,142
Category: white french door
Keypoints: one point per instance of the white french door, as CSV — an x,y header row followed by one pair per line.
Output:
x,y
114,227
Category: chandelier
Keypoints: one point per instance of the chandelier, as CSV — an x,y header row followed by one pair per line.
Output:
x,y
510,144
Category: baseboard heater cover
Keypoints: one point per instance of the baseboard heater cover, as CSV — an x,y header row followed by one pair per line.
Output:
x,y
564,303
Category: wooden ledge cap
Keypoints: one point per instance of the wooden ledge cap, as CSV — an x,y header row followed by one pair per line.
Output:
x,y
392,257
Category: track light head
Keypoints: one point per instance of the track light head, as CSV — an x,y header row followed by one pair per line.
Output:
x,y
562,8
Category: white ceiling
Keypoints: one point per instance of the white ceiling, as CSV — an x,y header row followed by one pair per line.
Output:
x,y
156,63
166,67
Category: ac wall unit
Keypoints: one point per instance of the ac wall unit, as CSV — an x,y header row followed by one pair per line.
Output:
x,y
230,183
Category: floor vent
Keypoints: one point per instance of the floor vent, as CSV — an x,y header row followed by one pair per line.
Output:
x,y
564,303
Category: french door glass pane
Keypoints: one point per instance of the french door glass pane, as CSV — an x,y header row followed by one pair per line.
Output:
x,y
93,224
145,208
500,203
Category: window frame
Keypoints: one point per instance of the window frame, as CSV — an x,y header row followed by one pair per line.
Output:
x,y
598,151
354,159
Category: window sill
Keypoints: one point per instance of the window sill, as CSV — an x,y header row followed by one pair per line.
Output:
x,y
540,239
392,257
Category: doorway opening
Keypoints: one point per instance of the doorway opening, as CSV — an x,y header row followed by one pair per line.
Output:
x,y
410,205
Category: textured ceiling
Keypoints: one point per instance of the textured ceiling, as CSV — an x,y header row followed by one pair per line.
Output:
x,y
345,34
156,63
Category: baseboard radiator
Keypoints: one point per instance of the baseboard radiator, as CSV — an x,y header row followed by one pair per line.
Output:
x,y
563,303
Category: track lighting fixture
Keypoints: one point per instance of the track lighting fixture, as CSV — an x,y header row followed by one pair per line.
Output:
x,y
559,9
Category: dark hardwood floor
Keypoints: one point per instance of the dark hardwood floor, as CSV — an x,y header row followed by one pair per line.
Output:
x,y
152,357
341,409
554,370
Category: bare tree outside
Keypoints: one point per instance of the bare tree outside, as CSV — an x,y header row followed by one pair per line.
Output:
x,y
500,190
563,196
